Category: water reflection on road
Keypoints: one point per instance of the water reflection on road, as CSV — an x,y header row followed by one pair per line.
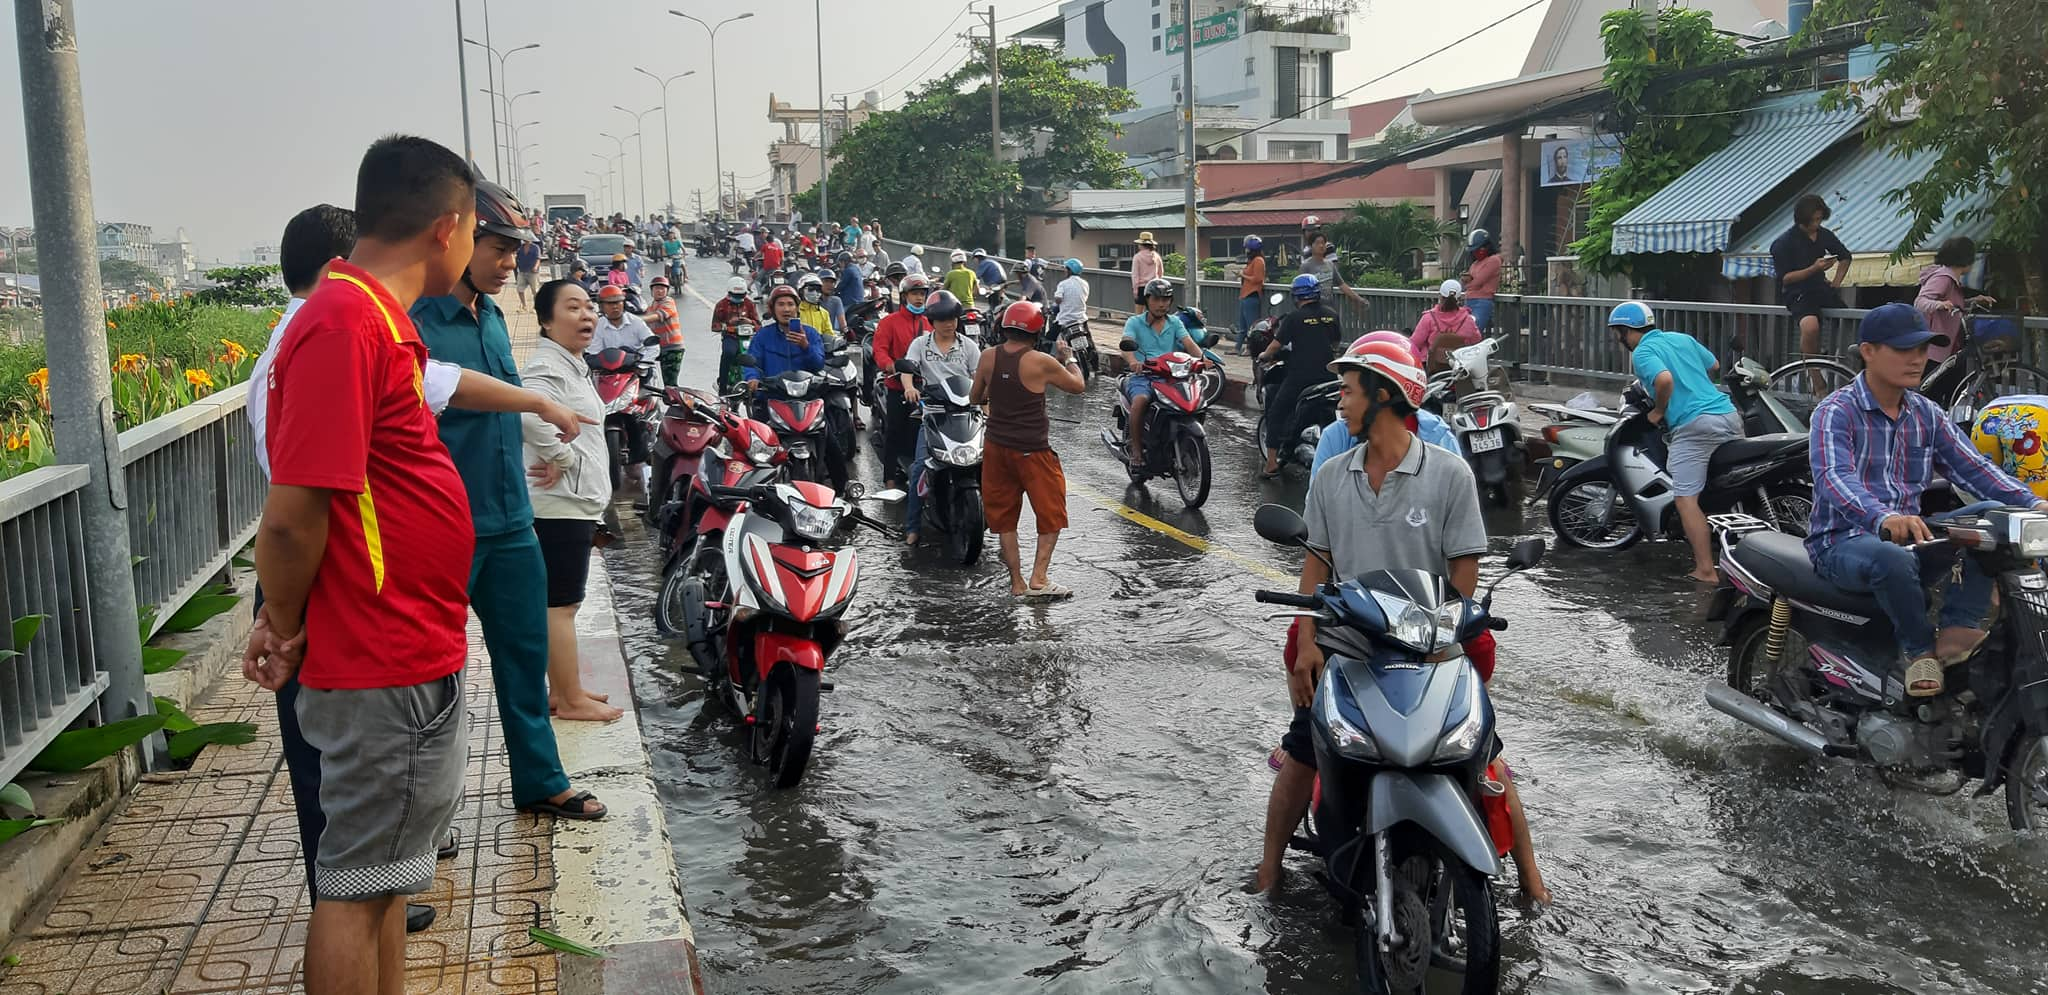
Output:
x,y
1067,798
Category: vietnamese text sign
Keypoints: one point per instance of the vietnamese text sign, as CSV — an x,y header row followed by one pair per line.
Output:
x,y
1208,31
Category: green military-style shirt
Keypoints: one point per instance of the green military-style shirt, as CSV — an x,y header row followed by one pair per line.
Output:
x,y
485,445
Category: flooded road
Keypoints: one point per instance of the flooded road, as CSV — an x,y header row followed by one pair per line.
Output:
x,y
1068,797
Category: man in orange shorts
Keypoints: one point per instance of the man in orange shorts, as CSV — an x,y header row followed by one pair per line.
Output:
x,y
1017,457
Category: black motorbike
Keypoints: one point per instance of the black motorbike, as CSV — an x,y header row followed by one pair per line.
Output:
x,y
1314,408
952,425
1820,668
1622,495
840,387
1403,731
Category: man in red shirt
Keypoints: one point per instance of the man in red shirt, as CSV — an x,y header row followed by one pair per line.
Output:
x,y
771,254
363,555
893,336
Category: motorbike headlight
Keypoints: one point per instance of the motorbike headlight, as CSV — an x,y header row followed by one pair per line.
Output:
x,y
1177,370
760,452
618,404
1312,435
1462,740
2027,533
964,454
1350,740
811,521
1416,628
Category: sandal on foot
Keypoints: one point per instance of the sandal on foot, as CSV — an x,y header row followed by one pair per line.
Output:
x,y
1923,677
449,846
576,806
1050,592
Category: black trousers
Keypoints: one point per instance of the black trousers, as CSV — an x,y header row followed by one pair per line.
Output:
x,y
898,437
302,763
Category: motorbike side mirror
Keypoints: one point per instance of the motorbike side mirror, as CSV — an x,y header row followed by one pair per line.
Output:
x,y
889,496
674,395
747,360
1526,554
1279,524
1211,339
651,340
907,365
839,359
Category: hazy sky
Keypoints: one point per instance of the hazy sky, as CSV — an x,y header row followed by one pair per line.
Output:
x,y
226,116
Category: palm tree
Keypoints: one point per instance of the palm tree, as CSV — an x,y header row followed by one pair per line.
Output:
x,y
1392,236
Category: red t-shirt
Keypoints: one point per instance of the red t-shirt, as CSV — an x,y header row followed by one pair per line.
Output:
x,y
771,256
348,413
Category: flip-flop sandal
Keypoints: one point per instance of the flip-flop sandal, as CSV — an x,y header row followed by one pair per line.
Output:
x,y
1924,677
562,810
1050,592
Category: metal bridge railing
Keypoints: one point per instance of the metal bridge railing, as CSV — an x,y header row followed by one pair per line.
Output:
x,y
195,493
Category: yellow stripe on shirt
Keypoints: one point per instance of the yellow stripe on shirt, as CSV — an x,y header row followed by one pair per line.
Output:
x,y
373,538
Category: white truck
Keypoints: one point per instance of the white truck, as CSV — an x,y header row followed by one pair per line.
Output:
x,y
565,206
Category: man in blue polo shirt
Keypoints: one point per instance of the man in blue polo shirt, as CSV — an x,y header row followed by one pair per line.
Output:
x,y
1679,374
507,579
1147,337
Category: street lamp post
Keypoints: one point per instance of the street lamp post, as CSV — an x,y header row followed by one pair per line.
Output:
x,y
668,168
717,152
597,195
640,143
622,160
607,160
499,87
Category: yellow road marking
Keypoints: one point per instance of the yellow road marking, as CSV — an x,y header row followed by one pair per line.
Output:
x,y
1194,542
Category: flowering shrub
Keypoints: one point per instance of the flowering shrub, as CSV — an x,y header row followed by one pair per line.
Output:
x,y
166,355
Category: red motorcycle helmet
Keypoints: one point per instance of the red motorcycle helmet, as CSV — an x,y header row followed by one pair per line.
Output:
x,y
1024,316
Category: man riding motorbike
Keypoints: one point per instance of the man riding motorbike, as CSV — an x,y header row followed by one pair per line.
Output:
x,y
987,270
893,336
790,344
1877,443
618,330
939,353
810,308
1149,336
959,281
1313,333
1679,373
1028,287
727,315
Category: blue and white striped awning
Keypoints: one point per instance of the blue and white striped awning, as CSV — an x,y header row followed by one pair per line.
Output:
x,y
1862,216
1697,212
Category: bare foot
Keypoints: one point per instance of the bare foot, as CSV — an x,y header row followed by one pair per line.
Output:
x,y
1017,589
585,711
1266,879
594,696
1533,893
1706,576
910,538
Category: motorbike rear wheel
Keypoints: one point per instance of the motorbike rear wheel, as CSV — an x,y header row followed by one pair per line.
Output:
x,y
669,610
1462,934
1191,470
1576,513
786,722
615,443
966,526
1789,508
2026,786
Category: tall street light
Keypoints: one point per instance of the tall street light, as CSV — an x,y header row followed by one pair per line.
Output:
x,y
667,140
717,153
499,86
607,160
597,195
621,140
640,120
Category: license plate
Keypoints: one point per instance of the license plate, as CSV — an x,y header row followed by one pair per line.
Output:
x,y
1484,442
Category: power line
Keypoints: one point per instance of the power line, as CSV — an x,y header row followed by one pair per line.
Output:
x,y
1325,102
920,54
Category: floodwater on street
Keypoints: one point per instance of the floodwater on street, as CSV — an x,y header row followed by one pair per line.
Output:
x,y
1012,797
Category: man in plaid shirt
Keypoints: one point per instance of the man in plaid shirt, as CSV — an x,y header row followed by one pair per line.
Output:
x,y
1876,445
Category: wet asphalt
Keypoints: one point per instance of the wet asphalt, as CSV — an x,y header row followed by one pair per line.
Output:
x,y
1067,797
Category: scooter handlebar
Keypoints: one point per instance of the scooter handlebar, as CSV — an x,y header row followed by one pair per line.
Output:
x,y
1289,599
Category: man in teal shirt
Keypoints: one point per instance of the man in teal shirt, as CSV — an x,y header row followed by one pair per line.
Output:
x,y
1149,336
1678,372
507,577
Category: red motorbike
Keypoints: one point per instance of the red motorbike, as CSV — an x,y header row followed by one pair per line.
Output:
x,y
692,421
740,449
761,594
630,410
1174,443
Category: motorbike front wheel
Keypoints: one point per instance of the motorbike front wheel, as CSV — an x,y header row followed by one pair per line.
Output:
x,y
966,526
615,443
786,722
1462,933
1191,469
2026,786
1588,513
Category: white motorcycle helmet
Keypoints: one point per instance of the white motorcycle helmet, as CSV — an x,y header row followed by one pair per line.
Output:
x,y
737,286
958,256
811,288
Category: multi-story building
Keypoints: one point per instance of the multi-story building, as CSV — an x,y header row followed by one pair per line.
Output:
x,y
795,159
174,259
126,240
1257,65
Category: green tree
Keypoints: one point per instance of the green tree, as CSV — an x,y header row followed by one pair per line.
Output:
x,y
243,286
1973,75
1390,236
1666,130
125,274
926,169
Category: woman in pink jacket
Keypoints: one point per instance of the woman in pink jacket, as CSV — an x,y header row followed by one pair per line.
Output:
x,y
1941,296
1442,328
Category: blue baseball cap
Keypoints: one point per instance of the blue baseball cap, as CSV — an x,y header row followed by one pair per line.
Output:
x,y
1898,326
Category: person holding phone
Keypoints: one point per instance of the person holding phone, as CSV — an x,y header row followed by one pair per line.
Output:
x,y
1803,256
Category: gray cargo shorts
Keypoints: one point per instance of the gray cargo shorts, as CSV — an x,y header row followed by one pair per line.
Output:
x,y
1692,448
391,765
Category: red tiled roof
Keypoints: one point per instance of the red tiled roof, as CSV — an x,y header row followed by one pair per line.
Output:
x,y
1370,119
1226,179
1275,220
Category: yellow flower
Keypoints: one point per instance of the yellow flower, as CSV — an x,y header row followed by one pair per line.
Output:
x,y
131,362
40,379
111,326
235,352
15,442
199,378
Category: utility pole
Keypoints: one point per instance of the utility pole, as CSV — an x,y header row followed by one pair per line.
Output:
x,y
824,133
81,409
1189,252
995,126
462,83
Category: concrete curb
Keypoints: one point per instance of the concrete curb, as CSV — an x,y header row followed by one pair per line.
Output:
x,y
616,886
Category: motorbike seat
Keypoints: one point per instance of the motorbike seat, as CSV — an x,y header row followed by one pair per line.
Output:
x,y
1759,447
1780,561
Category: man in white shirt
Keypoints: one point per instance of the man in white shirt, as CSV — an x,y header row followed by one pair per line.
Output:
x,y
616,329
867,240
746,241
913,263
1071,297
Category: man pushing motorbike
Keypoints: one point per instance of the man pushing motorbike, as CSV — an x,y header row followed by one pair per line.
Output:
x,y
1877,443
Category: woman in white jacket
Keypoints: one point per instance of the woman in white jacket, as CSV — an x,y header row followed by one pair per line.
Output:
x,y
570,482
